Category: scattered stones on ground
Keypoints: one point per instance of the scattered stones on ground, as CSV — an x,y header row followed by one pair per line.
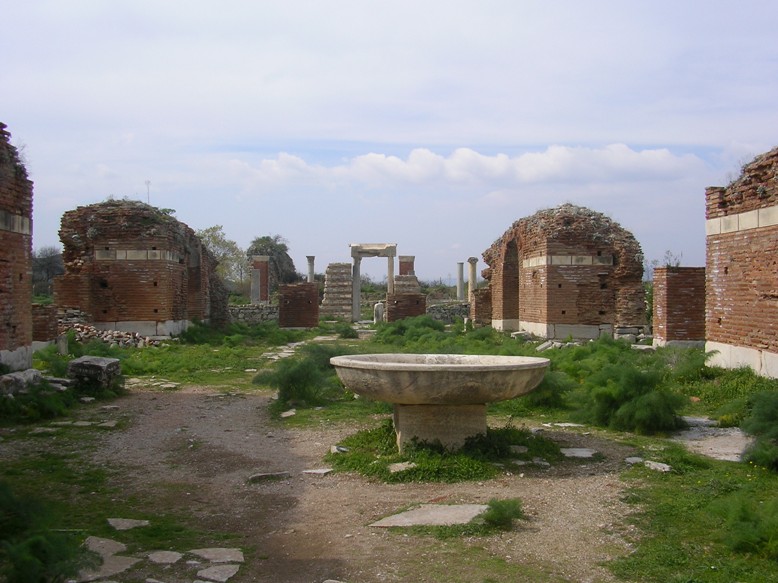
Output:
x,y
219,555
578,452
289,413
126,523
318,472
433,515
657,466
268,476
401,467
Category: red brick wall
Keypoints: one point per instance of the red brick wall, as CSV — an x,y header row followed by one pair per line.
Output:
x,y
679,304
481,306
127,261
406,265
399,306
742,258
602,284
44,323
15,249
298,305
263,267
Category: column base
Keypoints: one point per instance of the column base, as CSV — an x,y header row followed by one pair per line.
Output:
x,y
451,425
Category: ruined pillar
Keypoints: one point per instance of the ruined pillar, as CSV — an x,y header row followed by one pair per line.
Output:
x,y
310,268
356,290
406,265
260,279
460,281
472,283
390,275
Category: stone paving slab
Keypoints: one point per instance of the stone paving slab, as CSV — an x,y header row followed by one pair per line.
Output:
x,y
433,515
126,523
165,557
578,452
219,555
219,573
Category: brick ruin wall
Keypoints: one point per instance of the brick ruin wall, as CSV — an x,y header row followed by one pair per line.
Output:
x,y
741,311
298,305
45,323
481,307
130,266
566,270
15,258
399,306
679,306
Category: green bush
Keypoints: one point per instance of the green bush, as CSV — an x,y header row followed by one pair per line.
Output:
x,y
39,402
763,424
307,379
751,526
623,397
500,514
30,551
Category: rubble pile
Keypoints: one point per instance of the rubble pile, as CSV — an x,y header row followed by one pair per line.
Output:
x,y
85,333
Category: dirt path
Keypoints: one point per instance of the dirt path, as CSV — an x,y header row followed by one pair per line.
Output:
x,y
193,450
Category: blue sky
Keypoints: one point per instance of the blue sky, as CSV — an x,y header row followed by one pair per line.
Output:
x,y
434,125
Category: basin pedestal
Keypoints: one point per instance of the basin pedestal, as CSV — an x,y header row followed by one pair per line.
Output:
x,y
451,425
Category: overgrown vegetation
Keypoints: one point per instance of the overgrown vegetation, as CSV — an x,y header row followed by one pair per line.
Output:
x,y
703,521
31,550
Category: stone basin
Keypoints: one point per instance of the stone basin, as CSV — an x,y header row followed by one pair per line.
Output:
x,y
439,397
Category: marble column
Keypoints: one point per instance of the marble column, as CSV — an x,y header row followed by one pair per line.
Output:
x,y
472,283
460,281
310,268
356,290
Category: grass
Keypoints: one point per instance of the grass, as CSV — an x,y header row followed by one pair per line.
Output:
x,y
686,521
704,521
371,452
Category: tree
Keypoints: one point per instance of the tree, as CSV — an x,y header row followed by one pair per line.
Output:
x,y
46,265
281,266
232,261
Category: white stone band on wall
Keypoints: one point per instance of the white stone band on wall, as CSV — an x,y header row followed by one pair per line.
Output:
x,y
568,260
14,223
764,217
136,255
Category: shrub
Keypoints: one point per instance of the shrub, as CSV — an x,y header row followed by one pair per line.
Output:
x,y
305,380
501,513
763,424
30,551
621,396
751,525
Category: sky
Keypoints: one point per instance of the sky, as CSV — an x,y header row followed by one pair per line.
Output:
x,y
430,124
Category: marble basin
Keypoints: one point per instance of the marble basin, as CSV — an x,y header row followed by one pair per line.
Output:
x,y
439,397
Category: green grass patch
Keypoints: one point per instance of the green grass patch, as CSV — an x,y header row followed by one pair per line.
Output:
x,y
697,523
371,452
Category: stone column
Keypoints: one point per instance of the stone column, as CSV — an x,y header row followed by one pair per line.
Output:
x,y
460,280
356,290
472,283
390,275
310,268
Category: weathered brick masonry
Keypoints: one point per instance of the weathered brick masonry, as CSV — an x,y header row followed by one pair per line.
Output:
x,y
679,305
298,305
130,266
15,258
44,323
566,271
399,306
742,268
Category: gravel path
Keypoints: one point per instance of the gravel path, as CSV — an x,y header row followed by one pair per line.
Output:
x,y
192,451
